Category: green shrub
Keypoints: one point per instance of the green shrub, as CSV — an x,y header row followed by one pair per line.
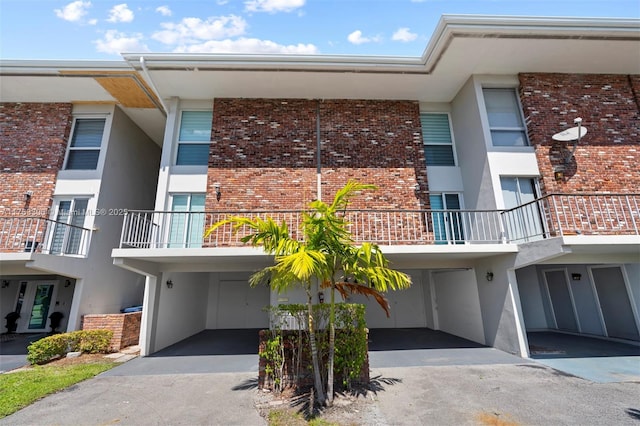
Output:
x,y
48,348
95,341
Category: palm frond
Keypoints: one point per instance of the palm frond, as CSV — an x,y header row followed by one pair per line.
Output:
x,y
345,289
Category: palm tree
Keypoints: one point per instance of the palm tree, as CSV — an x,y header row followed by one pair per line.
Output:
x,y
326,252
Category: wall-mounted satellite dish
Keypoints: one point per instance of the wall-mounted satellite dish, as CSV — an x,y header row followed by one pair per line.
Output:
x,y
572,134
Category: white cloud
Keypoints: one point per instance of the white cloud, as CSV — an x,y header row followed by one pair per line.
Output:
x,y
403,34
120,13
248,45
273,6
115,42
73,12
164,11
194,30
357,38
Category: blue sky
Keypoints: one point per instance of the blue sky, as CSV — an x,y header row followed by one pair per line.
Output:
x,y
102,29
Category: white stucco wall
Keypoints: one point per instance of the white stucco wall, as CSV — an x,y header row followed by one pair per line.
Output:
x,y
458,304
471,149
182,309
127,183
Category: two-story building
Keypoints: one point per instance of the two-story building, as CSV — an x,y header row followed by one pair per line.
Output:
x,y
72,160
510,214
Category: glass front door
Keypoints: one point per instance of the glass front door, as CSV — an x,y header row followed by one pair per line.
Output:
x,y
34,305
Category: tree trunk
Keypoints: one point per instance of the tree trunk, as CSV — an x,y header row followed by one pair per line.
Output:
x,y
317,380
332,347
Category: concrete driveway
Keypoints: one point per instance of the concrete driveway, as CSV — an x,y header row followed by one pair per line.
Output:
x,y
461,384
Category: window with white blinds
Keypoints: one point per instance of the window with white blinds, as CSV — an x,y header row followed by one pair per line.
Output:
x,y
84,149
436,136
194,138
505,117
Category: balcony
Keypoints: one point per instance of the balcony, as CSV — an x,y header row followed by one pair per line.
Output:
x,y
550,216
22,234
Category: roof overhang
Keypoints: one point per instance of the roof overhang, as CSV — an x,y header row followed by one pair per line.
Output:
x,y
461,46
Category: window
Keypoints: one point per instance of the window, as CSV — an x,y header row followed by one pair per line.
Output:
x,y
67,235
84,149
194,138
436,136
505,118
447,225
187,221
524,221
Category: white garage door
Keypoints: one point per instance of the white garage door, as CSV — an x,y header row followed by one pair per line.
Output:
x,y
242,306
407,308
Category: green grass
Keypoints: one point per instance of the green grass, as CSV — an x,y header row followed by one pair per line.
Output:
x,y
21,388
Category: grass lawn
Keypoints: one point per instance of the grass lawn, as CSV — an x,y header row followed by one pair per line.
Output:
x,y
21,388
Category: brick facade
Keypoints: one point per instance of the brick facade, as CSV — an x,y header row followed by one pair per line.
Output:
x,y
263,152
125,327
607,157
33,141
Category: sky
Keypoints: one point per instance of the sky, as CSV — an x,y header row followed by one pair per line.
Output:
x,y
103,29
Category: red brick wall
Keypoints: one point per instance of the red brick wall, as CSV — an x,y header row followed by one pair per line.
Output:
x,y
33,140
125,327
263,152
607,157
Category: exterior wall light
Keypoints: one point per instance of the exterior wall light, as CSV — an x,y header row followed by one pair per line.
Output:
x,y
576,277
558,173
5,283
218,192
169,284
28,195
489,276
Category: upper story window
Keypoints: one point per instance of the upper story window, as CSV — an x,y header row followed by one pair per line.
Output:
x,y
436,136
505,117
84,148
194,138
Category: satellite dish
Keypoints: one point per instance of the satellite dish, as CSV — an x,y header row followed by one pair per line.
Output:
x,y
571,134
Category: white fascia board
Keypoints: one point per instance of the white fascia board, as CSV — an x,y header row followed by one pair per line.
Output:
x,y
448,27
53,67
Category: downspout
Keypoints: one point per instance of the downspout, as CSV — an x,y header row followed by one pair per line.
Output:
x,y
145,71
318,163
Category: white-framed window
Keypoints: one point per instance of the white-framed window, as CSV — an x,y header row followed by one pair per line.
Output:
x,y
186,228
83,151
68,235
505,117
194,138
436,136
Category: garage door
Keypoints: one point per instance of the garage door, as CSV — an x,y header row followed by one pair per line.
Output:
x,y
242,306
407,308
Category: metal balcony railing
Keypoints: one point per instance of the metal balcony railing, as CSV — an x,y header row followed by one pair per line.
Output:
x,y
552,215
41,235
573,214
165,229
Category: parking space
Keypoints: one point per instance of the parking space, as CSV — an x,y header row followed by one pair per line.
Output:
x,y
590,358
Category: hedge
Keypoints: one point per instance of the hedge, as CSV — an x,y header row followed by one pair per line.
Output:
x,y
57,345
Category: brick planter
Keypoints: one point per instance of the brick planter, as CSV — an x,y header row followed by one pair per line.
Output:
x,y
125,327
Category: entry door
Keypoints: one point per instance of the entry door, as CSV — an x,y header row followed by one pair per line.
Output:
x,y
35,303
615,305
447,226
561,298
525,223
